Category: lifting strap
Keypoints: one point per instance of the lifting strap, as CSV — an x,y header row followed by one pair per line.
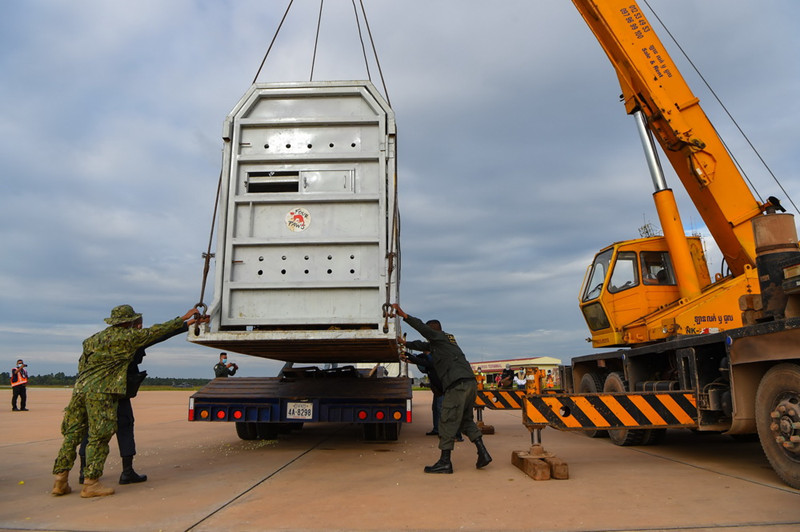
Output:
x,y
316,43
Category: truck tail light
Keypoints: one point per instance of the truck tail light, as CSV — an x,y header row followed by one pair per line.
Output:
x,y
379,415
362,414
191,409
220,414
408,410
237,414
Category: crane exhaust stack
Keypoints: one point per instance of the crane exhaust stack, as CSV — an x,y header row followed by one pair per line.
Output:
x,y
776,251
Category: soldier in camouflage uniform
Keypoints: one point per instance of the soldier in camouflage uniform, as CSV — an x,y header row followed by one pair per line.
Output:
x,y
460,389
101,382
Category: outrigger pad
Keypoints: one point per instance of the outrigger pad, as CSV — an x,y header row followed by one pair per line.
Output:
x,y
540,465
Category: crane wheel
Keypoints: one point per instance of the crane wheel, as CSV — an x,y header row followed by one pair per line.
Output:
x,y
592,383
777,415
615,383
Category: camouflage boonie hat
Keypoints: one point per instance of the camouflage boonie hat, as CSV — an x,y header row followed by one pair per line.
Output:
x,y
122,314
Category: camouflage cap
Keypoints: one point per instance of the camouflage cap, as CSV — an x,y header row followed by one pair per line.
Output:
x,y
122,314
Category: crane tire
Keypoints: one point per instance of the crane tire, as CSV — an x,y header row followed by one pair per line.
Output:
x,y
592,383
615,383
777,409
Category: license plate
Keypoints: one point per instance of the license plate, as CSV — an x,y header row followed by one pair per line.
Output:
x,y
300,411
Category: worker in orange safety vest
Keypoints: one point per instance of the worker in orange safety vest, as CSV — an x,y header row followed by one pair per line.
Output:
x,y
19,382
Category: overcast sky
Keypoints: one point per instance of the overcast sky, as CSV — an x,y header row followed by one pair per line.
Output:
x,y
516,161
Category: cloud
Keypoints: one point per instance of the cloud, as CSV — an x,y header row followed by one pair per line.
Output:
x,y
516,161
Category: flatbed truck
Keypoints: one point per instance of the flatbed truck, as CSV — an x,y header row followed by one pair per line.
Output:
x,y
307,262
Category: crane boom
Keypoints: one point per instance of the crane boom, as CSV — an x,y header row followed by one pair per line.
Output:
x,y
652,84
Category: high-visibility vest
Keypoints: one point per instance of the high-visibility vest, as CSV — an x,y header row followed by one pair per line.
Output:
x,y
22,378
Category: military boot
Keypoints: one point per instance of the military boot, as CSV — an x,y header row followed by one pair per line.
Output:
x,y
128,475
483,454
93,488
444,465
61,485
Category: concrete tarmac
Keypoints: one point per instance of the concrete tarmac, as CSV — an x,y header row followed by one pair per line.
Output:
x,y
202,477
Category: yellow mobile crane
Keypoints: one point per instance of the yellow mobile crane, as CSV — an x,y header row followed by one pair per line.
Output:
x,y
718,354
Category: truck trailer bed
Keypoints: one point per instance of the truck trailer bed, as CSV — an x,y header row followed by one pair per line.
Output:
x,y
290,347
255,389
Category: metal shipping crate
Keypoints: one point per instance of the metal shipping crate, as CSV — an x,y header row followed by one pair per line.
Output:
x,y
307,249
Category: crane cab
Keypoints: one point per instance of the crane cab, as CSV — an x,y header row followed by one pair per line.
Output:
x,y
629,281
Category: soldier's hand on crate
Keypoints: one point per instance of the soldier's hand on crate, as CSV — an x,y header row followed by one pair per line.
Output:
x,y
398,311
199,319
190,318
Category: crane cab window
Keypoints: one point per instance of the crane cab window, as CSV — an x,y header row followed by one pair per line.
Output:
x,y
597,276
625,274
657,268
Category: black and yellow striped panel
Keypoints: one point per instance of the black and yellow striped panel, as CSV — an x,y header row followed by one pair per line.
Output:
x,y
612,410
501,399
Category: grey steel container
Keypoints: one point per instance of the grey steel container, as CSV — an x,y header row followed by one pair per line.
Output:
x,y
307,254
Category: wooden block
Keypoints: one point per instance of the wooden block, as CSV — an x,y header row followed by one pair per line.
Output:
x,y
487,429
558,468
536,469
533,467
751,302
516,458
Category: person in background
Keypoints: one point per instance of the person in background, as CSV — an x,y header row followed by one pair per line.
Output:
x,y
225,368
549,380
19,383
102,380
507,377
460,390
520,380
480,378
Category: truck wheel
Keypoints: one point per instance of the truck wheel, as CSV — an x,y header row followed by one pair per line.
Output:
x,y
267,431
777,415
615,383
246,431
592,383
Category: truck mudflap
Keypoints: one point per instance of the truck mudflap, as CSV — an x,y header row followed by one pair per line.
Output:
x,y
634,410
